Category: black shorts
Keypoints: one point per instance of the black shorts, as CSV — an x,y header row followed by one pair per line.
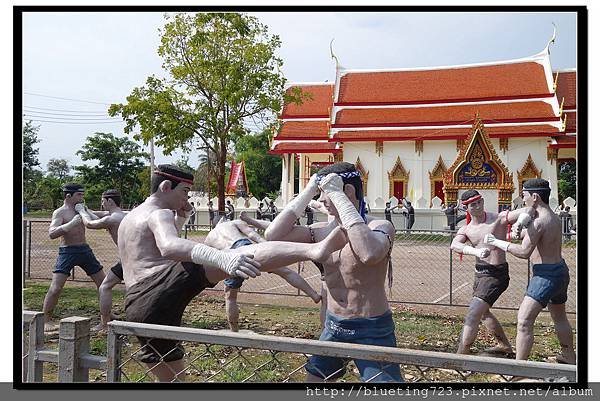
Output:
x,y
161,298
118,270
490,282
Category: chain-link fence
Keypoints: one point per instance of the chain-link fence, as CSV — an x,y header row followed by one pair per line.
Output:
x,y
425,270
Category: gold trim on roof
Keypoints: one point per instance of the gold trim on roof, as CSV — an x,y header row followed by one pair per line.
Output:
x,y
364,174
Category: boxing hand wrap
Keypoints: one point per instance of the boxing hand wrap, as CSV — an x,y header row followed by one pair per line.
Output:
x,y
489,239
522,222
74,221
469,250
333,186
205,255
181,221
299,203
80,207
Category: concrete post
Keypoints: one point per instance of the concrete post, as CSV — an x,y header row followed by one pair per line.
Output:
x,y
73,342
35,368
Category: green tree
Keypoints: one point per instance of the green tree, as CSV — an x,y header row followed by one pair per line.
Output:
x,y
567,180
118,163
30,152
222,71
204,176
263,170
58,168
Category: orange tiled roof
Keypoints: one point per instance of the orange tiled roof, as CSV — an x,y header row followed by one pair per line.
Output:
x,y
317,106
443,133
303,130
304,147
567,87
527,110
475,82
571,121
565,142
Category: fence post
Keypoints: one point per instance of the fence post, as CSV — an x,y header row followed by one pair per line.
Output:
x,y
450,287
113,357
73,342
35,368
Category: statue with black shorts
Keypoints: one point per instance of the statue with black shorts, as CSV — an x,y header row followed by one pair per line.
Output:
x,y
110,202
358,311
491,269
542,245
74,251
163,272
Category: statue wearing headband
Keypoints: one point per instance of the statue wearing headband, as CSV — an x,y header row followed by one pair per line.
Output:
x,y
491,269
355,277
542,242
163,272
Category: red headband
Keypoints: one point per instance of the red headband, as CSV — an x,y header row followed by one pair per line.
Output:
x,y
173,177
471,199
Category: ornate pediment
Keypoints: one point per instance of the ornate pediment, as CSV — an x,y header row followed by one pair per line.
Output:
x,y
364,174
398,171
529,170
478,165
438,170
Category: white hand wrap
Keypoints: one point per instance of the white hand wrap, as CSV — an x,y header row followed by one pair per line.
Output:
x,y
469,250
181,221
299,203
333,186
522,222
74,221
79,207
493,241
205,255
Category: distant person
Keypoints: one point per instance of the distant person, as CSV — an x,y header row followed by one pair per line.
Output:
x,y
260,210
211,214
273,210
229,211
308,212
388,211
452,217
74,251
566,221
409,213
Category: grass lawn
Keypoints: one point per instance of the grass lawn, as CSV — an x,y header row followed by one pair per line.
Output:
x,y
414,330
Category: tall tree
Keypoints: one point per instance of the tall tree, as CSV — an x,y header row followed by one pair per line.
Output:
x,y
30,152
567,180
222,71
262,169
119,161
58,168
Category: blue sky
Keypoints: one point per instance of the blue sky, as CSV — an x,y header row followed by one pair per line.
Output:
x,y
94,59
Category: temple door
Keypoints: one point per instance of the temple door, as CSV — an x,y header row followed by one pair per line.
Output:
x,y
399,189
439,190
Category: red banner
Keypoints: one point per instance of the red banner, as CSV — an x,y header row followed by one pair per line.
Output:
x,y
234,177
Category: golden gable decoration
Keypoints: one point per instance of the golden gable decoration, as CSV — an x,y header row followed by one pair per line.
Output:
x,y
398,173
478,166
364,174
527,172
436,175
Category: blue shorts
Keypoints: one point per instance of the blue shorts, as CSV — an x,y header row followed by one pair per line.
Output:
x,y
549,283
76,255
236,282
377,330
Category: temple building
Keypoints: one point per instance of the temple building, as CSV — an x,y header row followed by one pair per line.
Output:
x,y
422,133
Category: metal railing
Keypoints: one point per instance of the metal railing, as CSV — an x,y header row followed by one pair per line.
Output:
x,y
216,356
